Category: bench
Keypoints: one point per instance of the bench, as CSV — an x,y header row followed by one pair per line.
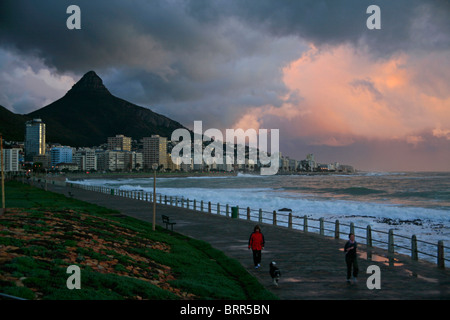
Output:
x,y
166,220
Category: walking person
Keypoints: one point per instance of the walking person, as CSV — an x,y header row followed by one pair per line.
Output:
x,y
350,257
256,243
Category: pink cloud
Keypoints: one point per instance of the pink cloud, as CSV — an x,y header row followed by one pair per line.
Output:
x,y
345,95
345,99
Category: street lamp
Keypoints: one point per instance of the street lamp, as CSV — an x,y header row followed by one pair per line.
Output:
x,y
154,167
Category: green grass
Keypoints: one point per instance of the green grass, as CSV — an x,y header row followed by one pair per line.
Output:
x,y
120,257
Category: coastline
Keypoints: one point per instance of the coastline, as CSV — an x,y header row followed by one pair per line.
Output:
x,y
139,175
322,273
347,199
129,175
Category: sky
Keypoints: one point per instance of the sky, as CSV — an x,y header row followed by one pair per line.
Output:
x,y
377,99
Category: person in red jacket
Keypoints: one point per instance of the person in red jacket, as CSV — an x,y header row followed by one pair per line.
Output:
x,y
256,243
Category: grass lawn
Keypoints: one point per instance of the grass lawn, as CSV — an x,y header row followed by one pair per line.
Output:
x,y
43,233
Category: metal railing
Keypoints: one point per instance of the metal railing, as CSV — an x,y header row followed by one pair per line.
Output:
x,y
394,243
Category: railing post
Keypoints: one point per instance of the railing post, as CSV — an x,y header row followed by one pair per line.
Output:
x,y
369,236
440,258
305,223
274,218
218,208
209,206
248,213
260,216
290,220
227,210
414,252
321,226
391,242
336,230
187,204
201,205
195,205
352,227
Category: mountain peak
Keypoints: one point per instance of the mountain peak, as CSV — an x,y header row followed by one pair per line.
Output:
x,y
89,83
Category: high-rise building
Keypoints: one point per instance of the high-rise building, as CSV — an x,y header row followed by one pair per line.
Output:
x,y
112,160
136,161
86,159
311,161
119,142
61,155
11,159
155,151
34,139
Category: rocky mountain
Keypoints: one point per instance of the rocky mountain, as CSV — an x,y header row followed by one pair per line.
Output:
x,y
88,114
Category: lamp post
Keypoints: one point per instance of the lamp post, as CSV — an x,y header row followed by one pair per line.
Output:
x,y
154,167
2,211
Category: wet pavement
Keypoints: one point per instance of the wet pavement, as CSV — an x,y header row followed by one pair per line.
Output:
x,y
312,266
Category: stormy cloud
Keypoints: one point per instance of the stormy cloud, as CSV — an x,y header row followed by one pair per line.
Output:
x,y
310,67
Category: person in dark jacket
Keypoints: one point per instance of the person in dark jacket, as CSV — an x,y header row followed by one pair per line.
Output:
x,y
350,257
256,243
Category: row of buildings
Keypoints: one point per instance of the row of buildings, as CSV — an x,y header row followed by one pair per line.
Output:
x,y
115,155
121,153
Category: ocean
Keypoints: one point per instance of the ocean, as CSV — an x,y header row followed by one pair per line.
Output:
x,y
410,203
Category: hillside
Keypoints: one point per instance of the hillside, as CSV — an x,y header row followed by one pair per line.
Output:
x,y
120,257
12,125
87,115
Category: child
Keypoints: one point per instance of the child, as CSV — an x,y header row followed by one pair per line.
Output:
x,y
256,243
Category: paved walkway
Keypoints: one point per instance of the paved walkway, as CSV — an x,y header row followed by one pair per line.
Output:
x,y
312,266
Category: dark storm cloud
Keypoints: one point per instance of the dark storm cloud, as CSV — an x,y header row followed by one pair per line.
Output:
x,y
405,23
160,48
226,61
162,33
223,56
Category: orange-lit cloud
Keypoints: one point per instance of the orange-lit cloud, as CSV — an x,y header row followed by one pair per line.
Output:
x,y
345,95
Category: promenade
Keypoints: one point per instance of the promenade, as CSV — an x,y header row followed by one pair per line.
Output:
x,y
312,266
